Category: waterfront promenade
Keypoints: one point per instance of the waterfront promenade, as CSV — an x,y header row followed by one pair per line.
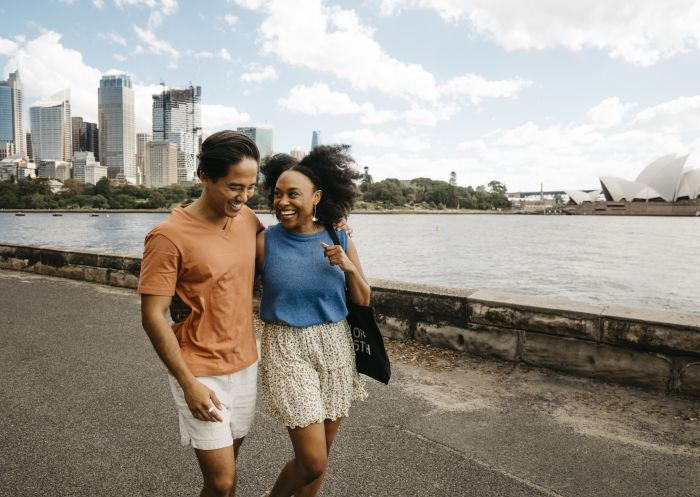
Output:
x,y
86,410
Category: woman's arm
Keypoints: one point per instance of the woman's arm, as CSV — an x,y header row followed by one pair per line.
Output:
x,y
358,288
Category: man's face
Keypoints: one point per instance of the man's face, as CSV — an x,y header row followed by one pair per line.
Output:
x,y
228,194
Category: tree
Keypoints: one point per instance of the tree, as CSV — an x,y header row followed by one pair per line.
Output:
x,y
71,188
99,201
388,191
103,187
497,187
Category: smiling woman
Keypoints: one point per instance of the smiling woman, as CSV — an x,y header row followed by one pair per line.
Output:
x,y
309,378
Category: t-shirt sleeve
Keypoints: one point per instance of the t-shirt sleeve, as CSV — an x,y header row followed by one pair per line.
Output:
x,y
159,266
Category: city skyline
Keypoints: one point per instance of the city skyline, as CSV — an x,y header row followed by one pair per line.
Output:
x,y
558,94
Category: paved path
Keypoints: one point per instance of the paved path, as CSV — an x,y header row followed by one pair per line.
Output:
x,y
85,410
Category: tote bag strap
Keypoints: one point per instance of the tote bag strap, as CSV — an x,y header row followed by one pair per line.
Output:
x,y
333,234
336,241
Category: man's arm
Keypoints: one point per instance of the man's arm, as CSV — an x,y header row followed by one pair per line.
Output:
x,y
198,396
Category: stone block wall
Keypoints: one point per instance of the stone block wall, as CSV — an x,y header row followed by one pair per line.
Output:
x,y
652,349
108,269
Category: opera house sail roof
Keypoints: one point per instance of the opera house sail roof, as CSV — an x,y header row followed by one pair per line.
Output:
x,y
667,179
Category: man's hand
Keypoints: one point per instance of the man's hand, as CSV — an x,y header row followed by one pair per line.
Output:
x,y
203,402
337,257
343,226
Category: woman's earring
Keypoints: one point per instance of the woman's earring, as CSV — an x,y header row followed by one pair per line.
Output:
x,y
314,218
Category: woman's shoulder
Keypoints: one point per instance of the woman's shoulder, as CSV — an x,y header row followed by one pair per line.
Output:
x,y
273,231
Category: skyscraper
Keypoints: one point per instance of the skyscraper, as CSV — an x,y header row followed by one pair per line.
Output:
x,y
316,139
50,121
141,140
11,115
30,149
85,137
116,123
262,136
160,164
84,167
177,118
297,153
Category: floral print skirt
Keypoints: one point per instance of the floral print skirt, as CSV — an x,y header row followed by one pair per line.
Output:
x,y
308,374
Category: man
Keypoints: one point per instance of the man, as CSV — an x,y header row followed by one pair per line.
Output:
x,y
205,254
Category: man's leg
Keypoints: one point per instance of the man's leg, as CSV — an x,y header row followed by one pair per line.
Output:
x,y
219,470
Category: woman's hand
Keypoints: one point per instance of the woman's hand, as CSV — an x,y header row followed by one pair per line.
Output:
x,y
337,257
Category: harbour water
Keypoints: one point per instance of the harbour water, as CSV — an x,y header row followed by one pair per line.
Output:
x,y
634,261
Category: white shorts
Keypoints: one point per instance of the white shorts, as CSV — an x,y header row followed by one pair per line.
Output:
x,y
237,393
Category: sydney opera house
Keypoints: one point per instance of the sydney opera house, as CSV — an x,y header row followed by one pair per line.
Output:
x,y
667,186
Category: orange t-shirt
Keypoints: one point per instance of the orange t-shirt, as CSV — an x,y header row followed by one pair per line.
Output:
x,y
212,271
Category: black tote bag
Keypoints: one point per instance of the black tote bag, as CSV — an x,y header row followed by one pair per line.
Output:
x,y
371,358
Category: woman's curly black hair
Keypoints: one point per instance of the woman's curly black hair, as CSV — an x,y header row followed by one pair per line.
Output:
x,y
330,168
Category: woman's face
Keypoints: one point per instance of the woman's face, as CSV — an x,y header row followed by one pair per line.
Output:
x,y
294,201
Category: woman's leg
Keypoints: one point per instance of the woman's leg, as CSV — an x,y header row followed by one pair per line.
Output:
x,y
309,463
331,428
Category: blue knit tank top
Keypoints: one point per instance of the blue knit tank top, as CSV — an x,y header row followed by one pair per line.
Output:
x,y
300,287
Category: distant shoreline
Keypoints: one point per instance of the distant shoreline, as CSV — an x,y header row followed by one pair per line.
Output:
x,y
257,211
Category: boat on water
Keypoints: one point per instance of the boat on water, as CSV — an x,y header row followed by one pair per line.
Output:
x,y
94,215
19,213
57,214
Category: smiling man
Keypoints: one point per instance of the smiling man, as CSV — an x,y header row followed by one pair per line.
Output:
x,y
205,254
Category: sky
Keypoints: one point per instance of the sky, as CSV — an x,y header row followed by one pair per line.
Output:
x,y
552,92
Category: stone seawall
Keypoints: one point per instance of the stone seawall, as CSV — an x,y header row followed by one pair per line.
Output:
x,y
652,349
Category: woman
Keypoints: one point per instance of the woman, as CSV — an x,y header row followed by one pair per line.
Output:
x,y
308,360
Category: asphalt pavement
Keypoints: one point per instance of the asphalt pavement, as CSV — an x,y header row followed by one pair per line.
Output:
x,y
85,409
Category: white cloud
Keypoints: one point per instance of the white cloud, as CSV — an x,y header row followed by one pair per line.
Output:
x,y
47,67
156,45
409,166
159,9
204,55
333,40
679,115
396,140
259,74
7,47
319,99
143,105
119,57
224,55
642,32
427,115
113,37
609,112
477,88
575,155
98,3
216,117
231,20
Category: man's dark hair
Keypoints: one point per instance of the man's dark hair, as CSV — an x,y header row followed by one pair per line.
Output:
x,y
331,170
222,150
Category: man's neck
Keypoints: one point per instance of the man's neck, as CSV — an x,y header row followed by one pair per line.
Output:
x,y
201,210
